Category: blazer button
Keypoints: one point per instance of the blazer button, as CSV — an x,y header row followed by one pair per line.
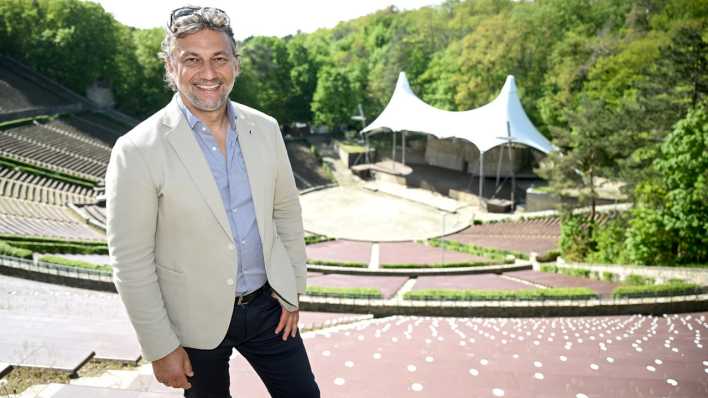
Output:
x,y
230,282
231,247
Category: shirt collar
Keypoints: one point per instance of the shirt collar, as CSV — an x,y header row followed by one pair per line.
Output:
x,y
192,120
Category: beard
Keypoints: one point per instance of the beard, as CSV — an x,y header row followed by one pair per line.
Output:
x,y
203,101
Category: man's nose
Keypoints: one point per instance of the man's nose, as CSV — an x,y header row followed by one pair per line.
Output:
x,y
208,71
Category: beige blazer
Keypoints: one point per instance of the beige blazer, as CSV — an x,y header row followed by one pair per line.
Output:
x,y
169,238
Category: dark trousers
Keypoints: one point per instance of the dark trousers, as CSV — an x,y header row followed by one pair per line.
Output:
x,y
282,365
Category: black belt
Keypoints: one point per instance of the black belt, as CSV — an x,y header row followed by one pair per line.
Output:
x,y
246,298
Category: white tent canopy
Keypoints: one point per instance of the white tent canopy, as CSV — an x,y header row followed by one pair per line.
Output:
x,y
485,127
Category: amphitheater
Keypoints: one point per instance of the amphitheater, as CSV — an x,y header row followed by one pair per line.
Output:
x,y
410,292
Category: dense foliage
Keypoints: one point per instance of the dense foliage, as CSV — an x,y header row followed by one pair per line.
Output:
x,y
606,80
668,224
457,56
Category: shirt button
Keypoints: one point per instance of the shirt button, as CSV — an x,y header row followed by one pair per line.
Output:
x,y
234,210
230,282
243,242
213,148
231,247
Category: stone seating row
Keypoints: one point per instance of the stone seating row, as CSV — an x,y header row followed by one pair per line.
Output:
x,y
12,173
34,227
17,184
97,213
59,145
27,218
51,158
53,134
30,209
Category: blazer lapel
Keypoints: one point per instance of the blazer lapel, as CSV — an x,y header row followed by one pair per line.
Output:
x,y
250,148
181,137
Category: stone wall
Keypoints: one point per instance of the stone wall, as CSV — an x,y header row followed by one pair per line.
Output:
x,y
461,155
660,274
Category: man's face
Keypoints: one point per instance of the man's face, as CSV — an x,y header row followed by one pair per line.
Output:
x,y
204,69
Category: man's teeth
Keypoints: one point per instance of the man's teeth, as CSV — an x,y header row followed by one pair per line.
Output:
x,y
212,87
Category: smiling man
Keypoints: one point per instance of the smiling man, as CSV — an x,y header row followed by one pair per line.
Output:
x,y
205,228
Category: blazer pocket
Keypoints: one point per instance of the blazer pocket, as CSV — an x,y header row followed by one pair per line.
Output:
x,y
167,272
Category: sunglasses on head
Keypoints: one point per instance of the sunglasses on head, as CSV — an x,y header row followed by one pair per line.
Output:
x,y
192,10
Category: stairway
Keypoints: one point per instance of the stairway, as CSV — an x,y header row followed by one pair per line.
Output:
x,y
138,383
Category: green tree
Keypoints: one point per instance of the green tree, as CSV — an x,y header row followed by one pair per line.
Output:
x,y
588,153
687,56
332,103
265,81
670,223
140,88
303,78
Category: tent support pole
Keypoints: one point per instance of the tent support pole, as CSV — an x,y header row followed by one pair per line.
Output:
x,y
403,147
501,155
481,177
366,138
513,179
393,151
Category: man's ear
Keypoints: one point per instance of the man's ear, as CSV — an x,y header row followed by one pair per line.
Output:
x,y
169,69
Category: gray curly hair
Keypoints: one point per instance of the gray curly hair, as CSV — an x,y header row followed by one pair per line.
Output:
x,y
194,20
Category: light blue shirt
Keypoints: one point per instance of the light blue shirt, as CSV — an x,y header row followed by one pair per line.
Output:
x,y
231,177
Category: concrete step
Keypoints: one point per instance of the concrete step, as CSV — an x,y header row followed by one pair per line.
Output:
x,y
77,391
38,391
140,379
110,379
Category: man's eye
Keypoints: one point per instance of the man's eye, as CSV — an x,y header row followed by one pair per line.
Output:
x,y
220,60
191,61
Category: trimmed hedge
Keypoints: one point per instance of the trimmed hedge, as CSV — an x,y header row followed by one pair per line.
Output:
x,y
311,240
62,248
662,290
334,263
638,280
67,262
552,268
494,254
548,256
579,272
9,250
447,265
576,293
344,292
55,246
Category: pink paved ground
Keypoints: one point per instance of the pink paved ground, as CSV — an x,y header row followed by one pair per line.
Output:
x,y
524,244
387,284
417,253
620,356
548,279
340,250
321,319
480,281
524,236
